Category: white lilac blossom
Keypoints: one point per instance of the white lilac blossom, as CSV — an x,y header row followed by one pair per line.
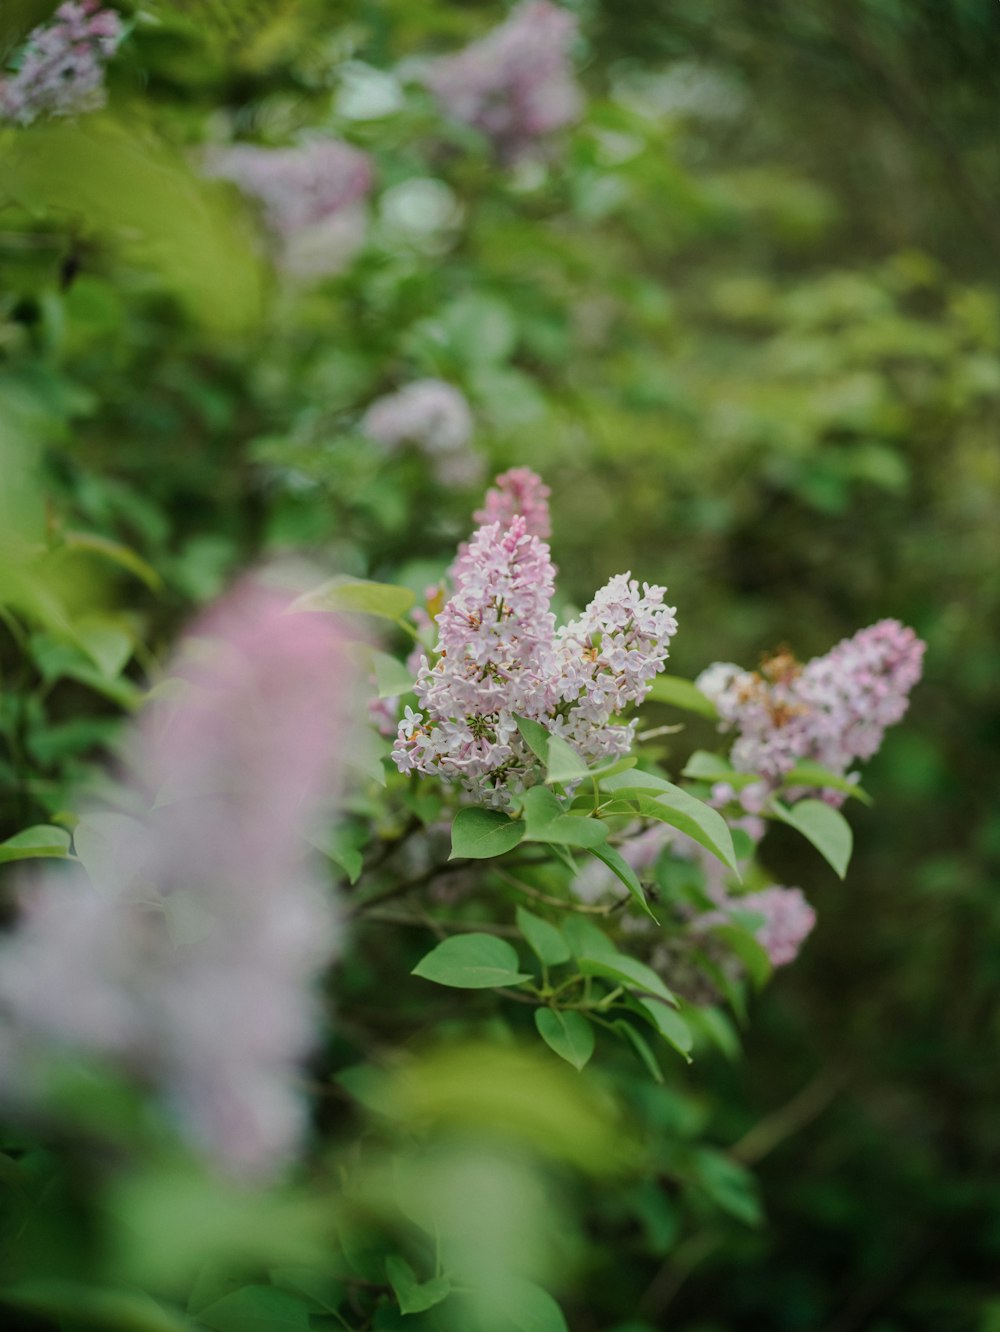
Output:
x,y
499,657
834,710
190,959
607,659
434,416
310,196
516,84
60,70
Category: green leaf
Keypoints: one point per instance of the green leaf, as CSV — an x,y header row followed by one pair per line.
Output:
x,y
391,676
357,595
472,962
478,834
629,782
703,824
90,1307
681,693
640,1045
627,971
414,1296
587,939
808,773
257,1309
619,866
546,820
568,1033
115,553
524,1307
543,939
824,826
708,767
565,764
747,948
669,1023
535,736
43,840
730,1185
107,645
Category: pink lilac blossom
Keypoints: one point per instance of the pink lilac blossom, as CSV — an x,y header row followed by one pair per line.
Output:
x,y
516,84
499,657
190,959
310,196
788,920
518,491
437,418
61,67
833,710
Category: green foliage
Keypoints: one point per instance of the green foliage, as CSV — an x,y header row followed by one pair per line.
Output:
x,y
743,319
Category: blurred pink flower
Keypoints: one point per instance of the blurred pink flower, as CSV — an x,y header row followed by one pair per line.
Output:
x,y
516,84
190,960
61,65
310,196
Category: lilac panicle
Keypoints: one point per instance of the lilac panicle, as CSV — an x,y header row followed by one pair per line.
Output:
x,y
61,65
787,922
608,657
493,661
516,84
835,709
518,491
499,656
190,959
309,196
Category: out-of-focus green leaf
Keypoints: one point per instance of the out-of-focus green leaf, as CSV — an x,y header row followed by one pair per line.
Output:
x,y
43,841
256,1309
414,1296
128,188
357,594
681,693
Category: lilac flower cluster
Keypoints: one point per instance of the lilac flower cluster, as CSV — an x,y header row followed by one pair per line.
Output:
x,y
607,659
787,922
189,960
516,84
310,196
518,491
433,415
499,656
61,67
835,709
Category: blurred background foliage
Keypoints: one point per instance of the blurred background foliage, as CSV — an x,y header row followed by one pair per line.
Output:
x,y
746,323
